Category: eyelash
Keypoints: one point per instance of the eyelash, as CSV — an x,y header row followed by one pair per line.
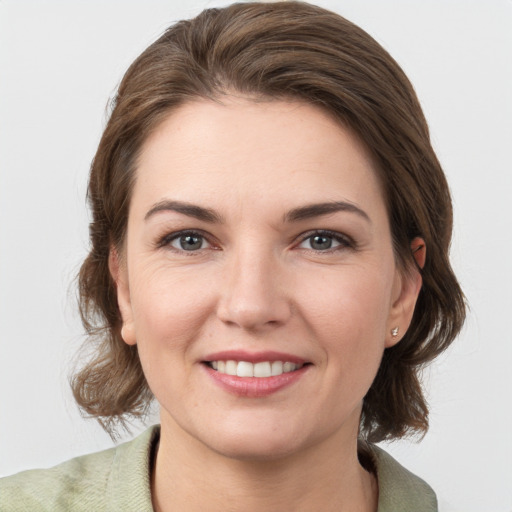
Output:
x,y
166,240
344,241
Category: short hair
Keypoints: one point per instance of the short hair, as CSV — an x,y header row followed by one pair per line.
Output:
x,y
281,50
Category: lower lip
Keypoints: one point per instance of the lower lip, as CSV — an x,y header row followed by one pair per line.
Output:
x,y
255,387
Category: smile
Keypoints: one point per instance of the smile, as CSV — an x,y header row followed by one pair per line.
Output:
x,y
247,369
254,375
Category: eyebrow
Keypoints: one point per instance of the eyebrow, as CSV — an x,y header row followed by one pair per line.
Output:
x,y
191,210
297,214
319,209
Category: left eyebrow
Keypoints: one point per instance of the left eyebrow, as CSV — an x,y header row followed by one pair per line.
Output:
x,y
319,209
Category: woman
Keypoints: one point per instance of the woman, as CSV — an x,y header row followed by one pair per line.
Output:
x,y
269,261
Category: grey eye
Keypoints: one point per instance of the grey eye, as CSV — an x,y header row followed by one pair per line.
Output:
x,y
190,242
320,242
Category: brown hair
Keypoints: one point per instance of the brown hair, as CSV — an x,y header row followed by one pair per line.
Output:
x,y
276,50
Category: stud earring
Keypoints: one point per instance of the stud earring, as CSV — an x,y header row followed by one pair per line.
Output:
x,y
394,332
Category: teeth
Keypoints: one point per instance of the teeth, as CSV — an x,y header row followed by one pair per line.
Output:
x,y
262,370
288,367
231,367
246,369
277,368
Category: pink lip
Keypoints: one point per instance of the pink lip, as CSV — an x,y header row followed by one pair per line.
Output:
x,y
254,387
242,355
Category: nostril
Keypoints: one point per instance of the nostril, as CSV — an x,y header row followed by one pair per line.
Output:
x,y
255,313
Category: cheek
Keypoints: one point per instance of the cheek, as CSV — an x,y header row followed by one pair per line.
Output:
x,y
347,313
169,308
357,300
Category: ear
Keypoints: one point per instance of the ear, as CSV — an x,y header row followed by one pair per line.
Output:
x,y
405,294
419,251
119,274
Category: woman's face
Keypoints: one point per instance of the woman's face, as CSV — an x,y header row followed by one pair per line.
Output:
x,y
258,243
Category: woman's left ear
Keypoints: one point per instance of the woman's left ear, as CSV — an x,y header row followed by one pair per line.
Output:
x,y
405,294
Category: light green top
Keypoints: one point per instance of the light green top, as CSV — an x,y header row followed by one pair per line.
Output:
x,y
118,479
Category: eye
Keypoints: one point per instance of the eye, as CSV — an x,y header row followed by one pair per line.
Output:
x,y
324,241
188,241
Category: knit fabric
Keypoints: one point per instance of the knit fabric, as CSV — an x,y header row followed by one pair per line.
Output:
x,y
118,479
399,489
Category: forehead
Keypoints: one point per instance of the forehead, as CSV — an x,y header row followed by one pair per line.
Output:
x,y
285,151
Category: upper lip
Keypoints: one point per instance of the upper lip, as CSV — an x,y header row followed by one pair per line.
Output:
x,y
253,357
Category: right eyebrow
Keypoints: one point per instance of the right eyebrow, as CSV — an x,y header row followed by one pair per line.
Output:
x,y
189,209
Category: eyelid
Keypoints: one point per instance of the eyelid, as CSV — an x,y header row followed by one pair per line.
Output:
x,y
344,241
165,240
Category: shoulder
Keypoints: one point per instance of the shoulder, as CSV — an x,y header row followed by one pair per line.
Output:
x,y
114,479
78,481
399,489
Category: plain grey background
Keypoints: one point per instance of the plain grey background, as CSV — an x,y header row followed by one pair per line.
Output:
x,y
60,62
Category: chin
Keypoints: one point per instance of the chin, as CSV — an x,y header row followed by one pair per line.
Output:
x,y
255,450
256,442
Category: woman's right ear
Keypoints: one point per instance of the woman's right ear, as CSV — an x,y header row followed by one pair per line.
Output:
x,y
119,274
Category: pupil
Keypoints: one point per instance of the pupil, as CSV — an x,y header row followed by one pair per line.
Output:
x,y
190,242
321,242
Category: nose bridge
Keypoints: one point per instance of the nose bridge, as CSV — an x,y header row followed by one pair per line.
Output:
x,y
253,294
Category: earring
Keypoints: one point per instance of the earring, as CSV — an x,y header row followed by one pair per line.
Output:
x,y
394,332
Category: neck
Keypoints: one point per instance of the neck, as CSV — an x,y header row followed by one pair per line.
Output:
x,y
188,476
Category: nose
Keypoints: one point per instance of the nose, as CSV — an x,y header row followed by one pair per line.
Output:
x,y
254,294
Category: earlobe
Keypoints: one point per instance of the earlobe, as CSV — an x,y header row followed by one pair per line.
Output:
x,y
408,287
120,276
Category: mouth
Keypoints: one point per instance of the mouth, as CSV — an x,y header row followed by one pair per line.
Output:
x,y
260,369
254,375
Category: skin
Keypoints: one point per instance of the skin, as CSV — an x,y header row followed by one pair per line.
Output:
x,y
257,283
